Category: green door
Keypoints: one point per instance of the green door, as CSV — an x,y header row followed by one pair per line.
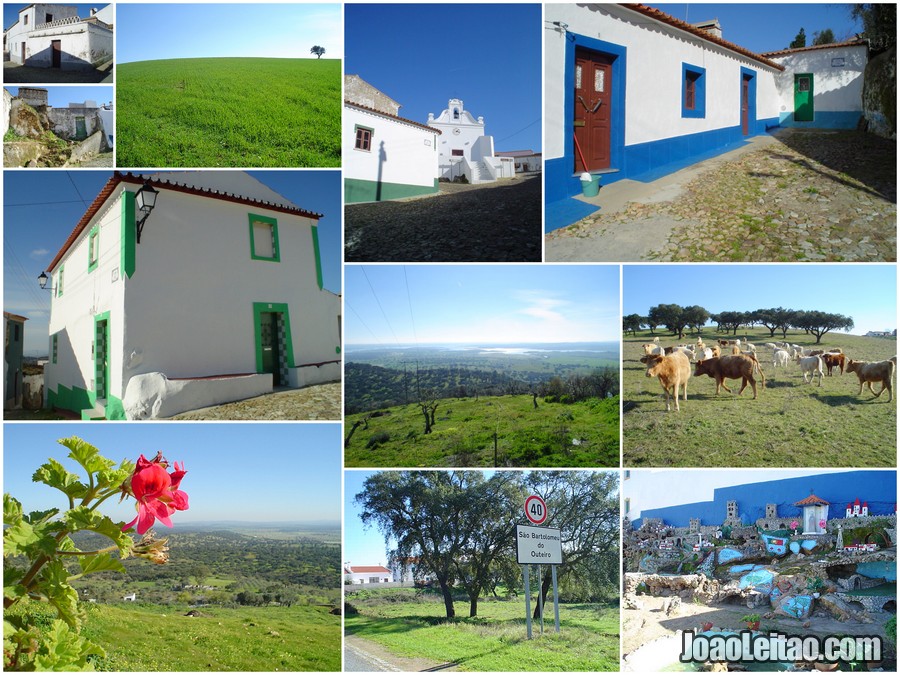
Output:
x,y
803,98
80,129
101,358
270,345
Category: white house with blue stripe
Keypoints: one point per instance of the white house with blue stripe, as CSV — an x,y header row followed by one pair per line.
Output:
x,y
821,86
631,91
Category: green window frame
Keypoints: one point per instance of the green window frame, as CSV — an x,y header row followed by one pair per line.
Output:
x,y
54,347
59,281
259,225
93,248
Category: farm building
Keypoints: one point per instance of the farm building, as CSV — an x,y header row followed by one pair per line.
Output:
x,y
214,295
464,148
13,358
366,574
821,86
391,157
54,36
630,89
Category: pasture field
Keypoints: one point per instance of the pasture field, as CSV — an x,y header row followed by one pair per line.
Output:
x,y
791,424
552,435
229,112
414,625
156,638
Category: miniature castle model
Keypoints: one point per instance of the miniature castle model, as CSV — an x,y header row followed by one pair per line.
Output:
x,y
855,511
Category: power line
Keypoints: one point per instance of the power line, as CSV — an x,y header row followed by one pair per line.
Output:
x,y
378,302
519,131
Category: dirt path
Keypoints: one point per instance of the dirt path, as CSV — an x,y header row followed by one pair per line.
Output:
x,y
493,222
361,655
318,402
801,196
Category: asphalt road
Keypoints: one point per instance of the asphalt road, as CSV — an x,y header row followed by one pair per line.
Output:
x,y
358,661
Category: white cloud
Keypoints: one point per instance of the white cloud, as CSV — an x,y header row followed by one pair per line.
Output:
x,y
38,254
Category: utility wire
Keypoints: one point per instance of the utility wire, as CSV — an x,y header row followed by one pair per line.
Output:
x,y
378,302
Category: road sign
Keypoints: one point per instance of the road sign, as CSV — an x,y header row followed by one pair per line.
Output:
x,y
538,545
536,510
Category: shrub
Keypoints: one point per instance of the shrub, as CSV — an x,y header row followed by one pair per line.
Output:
x,y
378,438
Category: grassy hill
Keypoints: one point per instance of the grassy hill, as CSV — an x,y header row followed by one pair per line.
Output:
x,y
552,435
162,639
791,424
410,624
230,112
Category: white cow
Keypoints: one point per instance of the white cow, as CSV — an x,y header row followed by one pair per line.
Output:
x,y
780,358
811,365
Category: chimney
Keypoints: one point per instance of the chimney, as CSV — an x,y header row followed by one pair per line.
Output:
x,y
712,27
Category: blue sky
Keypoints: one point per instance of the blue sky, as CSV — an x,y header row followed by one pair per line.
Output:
x,y
362,546
422,55
769,27
11,11
147,32
248,472
481,304
868,293
62,197
61,97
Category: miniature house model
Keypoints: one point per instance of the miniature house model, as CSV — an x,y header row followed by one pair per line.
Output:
x,y
815,514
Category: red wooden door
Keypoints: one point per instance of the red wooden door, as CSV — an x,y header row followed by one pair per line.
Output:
x,y
745,105
56,46
593,110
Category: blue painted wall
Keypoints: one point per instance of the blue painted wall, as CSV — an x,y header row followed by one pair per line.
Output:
x,y
878,488
823,120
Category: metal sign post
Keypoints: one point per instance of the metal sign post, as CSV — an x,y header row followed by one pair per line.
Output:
x,y
540,580
527,599
555,597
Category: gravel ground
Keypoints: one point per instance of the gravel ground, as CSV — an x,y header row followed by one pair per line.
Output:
x,y
492,222
318,402
809,196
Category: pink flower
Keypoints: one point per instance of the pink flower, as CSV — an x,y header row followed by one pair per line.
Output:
x,y
794,525
157,493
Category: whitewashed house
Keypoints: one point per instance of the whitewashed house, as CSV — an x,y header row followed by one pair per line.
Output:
x,y
366,574
821,86
54,36
465,150
214,296
386,156
630,89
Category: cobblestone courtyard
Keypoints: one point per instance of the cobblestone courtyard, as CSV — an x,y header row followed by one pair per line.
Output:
x,y
802,196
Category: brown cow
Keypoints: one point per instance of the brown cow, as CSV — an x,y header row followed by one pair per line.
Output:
x,y
874,371
731,367
673,371
833,360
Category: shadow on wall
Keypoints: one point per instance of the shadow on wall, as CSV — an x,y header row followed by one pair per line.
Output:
x,y
73,394
48,58
864,157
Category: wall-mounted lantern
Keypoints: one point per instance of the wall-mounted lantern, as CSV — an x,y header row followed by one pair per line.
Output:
x,y
145,199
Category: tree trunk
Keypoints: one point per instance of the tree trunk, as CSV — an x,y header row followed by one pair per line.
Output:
x,y
546,584
448,599
473,603
427,420
356,425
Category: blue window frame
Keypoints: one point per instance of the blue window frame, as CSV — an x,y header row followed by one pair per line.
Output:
x,y
693,91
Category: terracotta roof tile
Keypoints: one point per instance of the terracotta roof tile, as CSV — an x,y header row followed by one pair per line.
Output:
x,y
654,13
812,500
786,52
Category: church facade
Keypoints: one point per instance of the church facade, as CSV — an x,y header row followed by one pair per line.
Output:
x,y
465,150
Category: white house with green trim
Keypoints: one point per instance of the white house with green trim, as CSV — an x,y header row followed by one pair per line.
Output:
x,y
385,156
219,298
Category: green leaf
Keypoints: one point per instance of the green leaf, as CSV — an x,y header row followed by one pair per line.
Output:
x,y
14,591
113,478
18,538
55,475
82,518
62,649
54,583
99,563
41,517
86,454
12,510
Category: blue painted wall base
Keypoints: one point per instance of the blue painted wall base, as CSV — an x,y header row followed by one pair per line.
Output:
x,y
824,120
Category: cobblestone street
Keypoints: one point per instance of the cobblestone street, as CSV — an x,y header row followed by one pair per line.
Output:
x,y
802,196
318,402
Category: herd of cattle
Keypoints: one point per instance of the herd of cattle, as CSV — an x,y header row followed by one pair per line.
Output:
x,y
737,360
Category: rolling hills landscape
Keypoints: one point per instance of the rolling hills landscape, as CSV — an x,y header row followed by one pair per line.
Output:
x,y
543,405
229,112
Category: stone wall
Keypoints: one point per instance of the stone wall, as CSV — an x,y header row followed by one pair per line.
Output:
x,y
63,121
33,96
880,94
7,104
357,90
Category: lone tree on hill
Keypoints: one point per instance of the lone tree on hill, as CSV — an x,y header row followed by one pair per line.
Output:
x,y
317,50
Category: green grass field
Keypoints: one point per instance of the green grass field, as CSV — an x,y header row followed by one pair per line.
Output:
x,y
791,424
229,112
463,434
160,638
495,640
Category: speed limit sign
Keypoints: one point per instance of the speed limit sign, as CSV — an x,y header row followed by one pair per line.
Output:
x,y
536,510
